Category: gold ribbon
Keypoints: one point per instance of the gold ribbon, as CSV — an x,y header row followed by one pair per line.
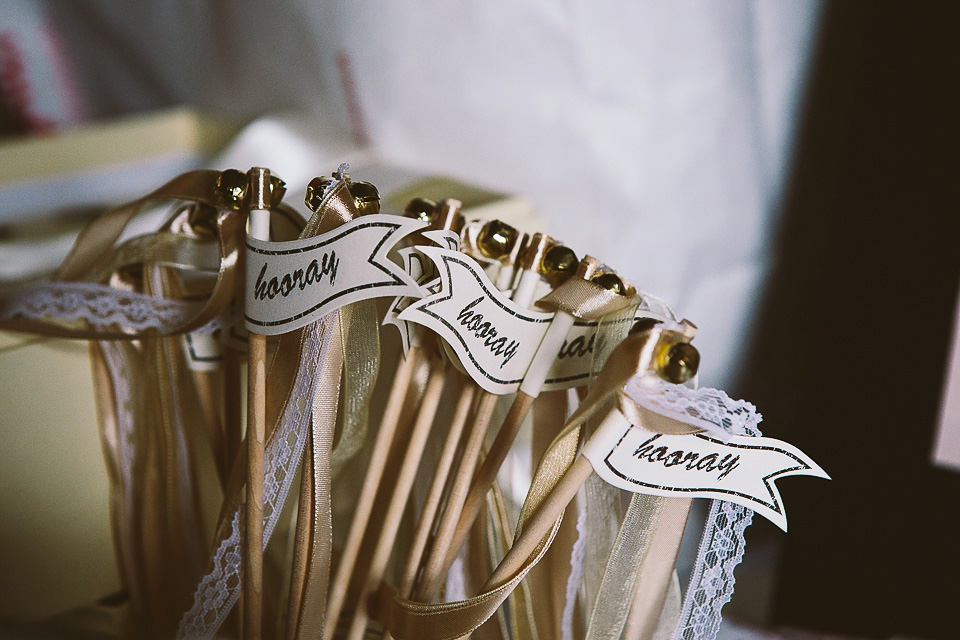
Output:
x,y
357,338
408,619
586,300
97,239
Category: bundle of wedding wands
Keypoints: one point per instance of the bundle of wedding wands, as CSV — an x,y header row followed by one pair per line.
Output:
x,y
523,468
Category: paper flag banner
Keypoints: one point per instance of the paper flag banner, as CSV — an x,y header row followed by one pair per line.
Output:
x,y
742,470
291,284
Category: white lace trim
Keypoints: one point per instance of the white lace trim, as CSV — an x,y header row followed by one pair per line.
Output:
x,y
578,556
219,589
706,408
712,582
102,307
721,550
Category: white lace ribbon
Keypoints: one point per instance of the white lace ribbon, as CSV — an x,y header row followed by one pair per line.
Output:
x,y
709,409
102,307
721,550
218,590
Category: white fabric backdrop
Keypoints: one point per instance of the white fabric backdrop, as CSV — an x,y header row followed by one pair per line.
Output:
x,y
654,135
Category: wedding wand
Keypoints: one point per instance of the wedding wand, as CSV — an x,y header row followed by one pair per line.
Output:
x,y
668,355
442,217
259,228
542,258
301,612
498,243
589,270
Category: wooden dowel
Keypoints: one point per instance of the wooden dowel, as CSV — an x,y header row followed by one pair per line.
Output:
x,y
398,500
259,227
431,582
432,504
256,438
368,491
487,473
533,382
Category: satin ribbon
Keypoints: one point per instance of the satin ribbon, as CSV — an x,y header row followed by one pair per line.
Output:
x,y
602,501
408,619
149,416
150,424
95,242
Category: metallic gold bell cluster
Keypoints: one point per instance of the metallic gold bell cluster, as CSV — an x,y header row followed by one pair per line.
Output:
x,y
366,198
678,362
233,189
421,209
559,260
496,239
610,281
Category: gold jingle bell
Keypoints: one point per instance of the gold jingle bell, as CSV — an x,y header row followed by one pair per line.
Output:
x,y
559,260
421,209
496,239
232,188
678,362
644,324
278,188
609,281
315,191
365,197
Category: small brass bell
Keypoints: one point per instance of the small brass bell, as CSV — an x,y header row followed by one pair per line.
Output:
x,y
421,209
315,191
278,188
678,362
232,188
496,239
609,281
365,197
559,260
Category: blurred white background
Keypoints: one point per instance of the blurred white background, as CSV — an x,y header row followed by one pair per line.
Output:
x,y
652,135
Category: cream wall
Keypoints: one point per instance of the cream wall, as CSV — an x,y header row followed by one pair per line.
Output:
x,y
56,550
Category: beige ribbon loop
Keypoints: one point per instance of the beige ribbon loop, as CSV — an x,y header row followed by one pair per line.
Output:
x,y
409,619
584,299
86,258
97,238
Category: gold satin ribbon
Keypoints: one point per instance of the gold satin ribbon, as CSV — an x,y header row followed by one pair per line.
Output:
x,y
361,344
408,619
99,236
586,300
356,336
97,239
313,544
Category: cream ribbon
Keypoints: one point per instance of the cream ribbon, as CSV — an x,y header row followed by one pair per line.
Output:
x,y
424,621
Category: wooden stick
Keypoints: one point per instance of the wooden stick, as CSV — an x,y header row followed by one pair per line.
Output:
x,y
398,501
529,390
256,437
256,429
432,580
368,492
432,504
436,566
487,473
